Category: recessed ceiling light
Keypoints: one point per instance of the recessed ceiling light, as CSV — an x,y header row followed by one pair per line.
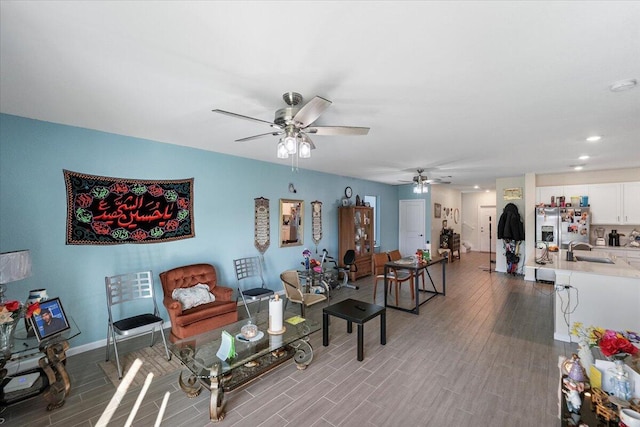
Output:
x,y
585,157
486,191
578,168
594,138
622,85
476,187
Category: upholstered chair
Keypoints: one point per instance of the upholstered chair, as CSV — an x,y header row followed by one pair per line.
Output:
x,y
192,311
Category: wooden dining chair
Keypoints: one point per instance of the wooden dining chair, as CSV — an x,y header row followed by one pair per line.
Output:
x,y
395,255
395,276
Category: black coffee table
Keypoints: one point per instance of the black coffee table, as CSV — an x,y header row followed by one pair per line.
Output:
x,y
354,311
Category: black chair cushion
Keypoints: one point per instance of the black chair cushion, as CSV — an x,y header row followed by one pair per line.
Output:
x,y
257,292
136,322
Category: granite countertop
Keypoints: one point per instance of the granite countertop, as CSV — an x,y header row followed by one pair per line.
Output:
x,y
620,268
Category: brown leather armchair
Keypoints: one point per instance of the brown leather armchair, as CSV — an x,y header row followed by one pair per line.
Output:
x,y
201,318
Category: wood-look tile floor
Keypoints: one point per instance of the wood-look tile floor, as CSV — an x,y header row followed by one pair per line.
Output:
x,y
483,354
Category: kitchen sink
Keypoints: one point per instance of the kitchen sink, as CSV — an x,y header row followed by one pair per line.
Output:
x,y
601,260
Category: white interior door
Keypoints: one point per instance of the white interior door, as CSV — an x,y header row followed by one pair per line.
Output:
x,y
412,225
487,218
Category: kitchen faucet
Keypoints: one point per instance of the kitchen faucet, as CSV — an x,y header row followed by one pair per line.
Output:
x,y
574,243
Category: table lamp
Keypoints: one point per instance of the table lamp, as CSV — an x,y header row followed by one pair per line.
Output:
x,y
14,266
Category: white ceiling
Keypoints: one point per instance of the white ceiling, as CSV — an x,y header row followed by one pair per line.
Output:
x,y
475,90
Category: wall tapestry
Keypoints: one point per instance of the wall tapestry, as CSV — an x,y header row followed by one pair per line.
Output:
x,y
316,222
109,211
261,232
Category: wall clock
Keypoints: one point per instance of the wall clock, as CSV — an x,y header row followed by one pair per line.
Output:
x,y
348,192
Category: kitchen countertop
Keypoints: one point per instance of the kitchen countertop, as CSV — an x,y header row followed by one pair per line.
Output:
x,y
616,248
559,262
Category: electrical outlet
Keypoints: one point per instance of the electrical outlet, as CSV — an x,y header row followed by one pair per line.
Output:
x,y
562,287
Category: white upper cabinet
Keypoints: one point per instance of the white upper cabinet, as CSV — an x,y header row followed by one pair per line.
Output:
x,y
604,200
631,203
575,191
545,193
617,203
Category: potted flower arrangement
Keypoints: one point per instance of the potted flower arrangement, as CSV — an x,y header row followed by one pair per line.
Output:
x,y
612,344
10,312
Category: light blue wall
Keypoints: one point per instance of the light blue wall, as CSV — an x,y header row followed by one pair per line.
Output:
x,y
33,211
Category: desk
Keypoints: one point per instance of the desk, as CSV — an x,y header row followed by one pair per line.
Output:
x,y
408,264
54,380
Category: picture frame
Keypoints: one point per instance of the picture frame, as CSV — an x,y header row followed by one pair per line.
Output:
x,y
437,210
291,222
50,308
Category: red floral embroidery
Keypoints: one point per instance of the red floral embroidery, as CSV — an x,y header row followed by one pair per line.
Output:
x,y
139,234
84,200
155,190
101,228
120,188
171,225
183,203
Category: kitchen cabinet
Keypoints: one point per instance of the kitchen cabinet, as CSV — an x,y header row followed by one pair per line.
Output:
x,y
631,203
616,203
633,258
543,194
575,191
355,231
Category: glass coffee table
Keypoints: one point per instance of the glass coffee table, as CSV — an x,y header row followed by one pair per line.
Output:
x,y
253,358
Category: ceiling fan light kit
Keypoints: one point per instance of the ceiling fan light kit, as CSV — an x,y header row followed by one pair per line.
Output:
x,y
421,182
294,123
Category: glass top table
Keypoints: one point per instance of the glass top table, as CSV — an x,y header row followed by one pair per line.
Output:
x,y
25,344
48,357
253,358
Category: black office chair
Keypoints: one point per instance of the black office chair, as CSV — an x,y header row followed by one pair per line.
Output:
x,y
349,261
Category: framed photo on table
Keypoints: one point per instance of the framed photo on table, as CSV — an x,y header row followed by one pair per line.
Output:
x,y
51,320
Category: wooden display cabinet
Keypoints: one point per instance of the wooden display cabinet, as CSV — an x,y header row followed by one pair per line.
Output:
x,y
355,229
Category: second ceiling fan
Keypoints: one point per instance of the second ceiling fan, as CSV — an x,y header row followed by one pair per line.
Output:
x,y
426,180
295,124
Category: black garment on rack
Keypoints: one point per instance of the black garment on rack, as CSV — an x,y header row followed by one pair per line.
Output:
x,y
510,226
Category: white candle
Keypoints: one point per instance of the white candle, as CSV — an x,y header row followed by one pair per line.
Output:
x,y
275,314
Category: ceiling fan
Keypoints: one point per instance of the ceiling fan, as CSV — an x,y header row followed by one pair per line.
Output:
x,y
426,180
295,122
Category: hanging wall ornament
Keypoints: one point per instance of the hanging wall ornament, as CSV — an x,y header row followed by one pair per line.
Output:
x,y
261,232
316,222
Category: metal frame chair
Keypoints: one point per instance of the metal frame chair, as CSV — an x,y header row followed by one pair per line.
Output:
x,y
250,269
121,290
294,292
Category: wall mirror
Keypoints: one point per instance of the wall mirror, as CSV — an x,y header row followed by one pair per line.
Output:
x,y
291,222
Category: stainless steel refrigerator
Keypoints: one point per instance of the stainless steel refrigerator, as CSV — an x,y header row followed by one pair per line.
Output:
x,y
558,227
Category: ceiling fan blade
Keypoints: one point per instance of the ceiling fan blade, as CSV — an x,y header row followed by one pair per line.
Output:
x,y
311,111
240,116
262,135
337,130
